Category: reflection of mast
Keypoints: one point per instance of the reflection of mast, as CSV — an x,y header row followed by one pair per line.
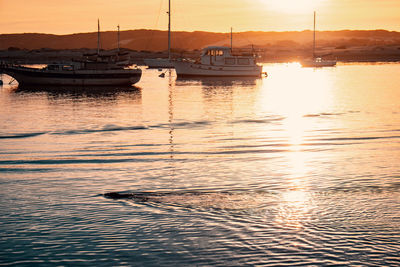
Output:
x,y
171,117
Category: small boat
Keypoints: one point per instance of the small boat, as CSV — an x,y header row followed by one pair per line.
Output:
x,y
97,69
317,62
75,73
162,63
218,61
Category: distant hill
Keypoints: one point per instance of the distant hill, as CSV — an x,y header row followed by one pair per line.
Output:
x,y
154,40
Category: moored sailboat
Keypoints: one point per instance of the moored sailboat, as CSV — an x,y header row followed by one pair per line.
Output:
x,y
100,70
163,62
76,73
317,61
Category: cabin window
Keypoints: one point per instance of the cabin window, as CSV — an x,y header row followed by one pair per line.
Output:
x,y
67,67
220,53
243,61
230,61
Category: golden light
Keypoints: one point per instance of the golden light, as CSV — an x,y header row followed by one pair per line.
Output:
x,y
292,6
294,92
301,97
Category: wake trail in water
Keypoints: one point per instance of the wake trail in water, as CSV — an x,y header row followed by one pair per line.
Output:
x,y
227,200
248,199
105,129
21,135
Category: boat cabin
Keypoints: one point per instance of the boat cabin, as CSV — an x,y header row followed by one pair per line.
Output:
x,y
222,56
79,65
58,67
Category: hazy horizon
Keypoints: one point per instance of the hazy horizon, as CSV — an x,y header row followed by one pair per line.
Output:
x,y
237,32
70,17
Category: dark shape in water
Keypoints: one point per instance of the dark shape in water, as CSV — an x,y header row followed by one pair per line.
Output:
x,y
216,200
137,196
147,196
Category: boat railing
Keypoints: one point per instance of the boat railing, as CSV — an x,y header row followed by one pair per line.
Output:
x,y
247,52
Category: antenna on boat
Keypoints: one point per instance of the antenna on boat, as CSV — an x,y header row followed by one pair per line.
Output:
x,y
231,40
169,30
118,37
98,37
314,38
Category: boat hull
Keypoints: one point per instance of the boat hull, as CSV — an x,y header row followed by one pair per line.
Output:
x,y
32,76
158,63
189,69
318,64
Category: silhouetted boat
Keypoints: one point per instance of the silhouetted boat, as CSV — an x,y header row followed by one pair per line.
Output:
x,y
97,69
317,61
75,73
160,63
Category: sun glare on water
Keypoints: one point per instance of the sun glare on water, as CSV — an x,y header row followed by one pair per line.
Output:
x,y
292,6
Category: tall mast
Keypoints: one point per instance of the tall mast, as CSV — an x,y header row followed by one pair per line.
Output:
x,y
169,29
98,36
231,40
314,38
118,37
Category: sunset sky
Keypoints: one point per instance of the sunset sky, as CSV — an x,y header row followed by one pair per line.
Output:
x,y
72,16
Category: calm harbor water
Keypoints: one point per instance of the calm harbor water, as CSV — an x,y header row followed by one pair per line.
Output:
x,y
299,168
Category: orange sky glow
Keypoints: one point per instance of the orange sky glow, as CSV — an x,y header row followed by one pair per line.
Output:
x,y
73,16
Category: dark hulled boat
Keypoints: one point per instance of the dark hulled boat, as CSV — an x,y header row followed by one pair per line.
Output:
x,y
75,73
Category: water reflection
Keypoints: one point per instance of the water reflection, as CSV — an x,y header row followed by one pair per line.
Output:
x,y
294,209
216,82
77,91
171,116
278,171
293,91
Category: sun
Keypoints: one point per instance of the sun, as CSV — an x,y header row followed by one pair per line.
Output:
x,y
293,6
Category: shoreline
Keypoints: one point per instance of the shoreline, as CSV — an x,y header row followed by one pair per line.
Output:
x,y
46,56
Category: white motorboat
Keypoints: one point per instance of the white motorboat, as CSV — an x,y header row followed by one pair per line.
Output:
x,y
218,61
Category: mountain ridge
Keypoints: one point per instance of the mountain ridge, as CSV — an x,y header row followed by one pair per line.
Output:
x,y
156,40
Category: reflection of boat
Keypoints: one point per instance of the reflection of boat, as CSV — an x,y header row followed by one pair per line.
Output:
x,y
218,61
317,61
217,81
95,91
158,63
75,73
